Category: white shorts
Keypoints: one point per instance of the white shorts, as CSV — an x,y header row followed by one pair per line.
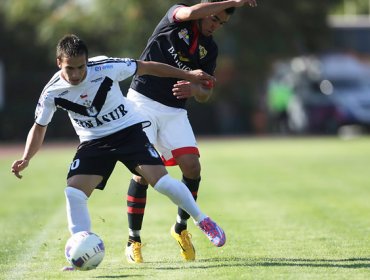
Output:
x,y
170,130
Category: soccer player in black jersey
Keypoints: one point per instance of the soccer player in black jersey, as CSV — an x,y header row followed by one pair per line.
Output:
x,y
183,39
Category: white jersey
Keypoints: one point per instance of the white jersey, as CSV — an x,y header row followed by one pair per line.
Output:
x,y
96,106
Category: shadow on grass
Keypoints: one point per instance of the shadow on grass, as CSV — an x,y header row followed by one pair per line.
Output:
x,y
349,263
352,263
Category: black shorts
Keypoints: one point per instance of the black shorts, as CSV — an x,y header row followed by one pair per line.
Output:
x,y
99,156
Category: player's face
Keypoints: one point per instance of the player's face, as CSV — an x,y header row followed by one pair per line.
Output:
x,y
212,23
73,68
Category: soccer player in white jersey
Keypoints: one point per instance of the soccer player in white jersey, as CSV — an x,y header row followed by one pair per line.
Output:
x,y
109,129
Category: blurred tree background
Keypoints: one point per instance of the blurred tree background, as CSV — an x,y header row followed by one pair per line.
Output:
x,y
249,43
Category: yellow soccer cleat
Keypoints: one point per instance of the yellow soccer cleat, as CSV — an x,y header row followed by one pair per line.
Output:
x,y
133,253
187,248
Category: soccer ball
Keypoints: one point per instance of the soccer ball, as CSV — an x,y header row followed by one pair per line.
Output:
x,y
84,250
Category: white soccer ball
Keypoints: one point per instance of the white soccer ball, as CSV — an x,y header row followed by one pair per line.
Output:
x,y
84,250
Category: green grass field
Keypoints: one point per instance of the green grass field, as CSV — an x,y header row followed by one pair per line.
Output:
x,y
291,209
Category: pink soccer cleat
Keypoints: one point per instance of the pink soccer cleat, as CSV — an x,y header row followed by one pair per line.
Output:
x,y
214,233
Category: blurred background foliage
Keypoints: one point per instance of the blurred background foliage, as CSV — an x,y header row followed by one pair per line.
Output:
x,y
249,43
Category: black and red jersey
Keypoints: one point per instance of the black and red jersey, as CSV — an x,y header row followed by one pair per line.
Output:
x,y
179,44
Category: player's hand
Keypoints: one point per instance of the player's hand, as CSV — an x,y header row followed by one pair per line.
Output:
x,y
199,76
182,90
209,84
201,92
18,166
251,3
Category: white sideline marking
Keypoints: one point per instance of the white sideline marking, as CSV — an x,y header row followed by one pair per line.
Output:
x,y
32,247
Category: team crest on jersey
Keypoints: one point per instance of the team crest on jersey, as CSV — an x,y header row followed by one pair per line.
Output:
x,y
202,52
153,152
92,111
184,35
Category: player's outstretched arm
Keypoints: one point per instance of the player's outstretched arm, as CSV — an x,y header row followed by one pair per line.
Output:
x,y
164,70
34,141
203,10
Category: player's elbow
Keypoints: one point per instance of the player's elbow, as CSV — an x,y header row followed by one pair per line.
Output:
x,y
185,14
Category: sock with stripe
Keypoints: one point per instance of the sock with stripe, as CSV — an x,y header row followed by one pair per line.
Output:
x,y
136,201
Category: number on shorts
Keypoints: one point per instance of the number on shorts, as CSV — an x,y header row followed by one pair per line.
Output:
x,y
75,164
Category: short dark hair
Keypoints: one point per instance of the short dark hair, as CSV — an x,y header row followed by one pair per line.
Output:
x,y
71,46
229,11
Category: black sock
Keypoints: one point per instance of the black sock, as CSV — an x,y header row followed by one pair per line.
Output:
x,y
193,186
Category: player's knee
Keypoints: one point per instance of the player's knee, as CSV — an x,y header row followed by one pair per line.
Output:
x,y
140,180
152,173
75,194
191,169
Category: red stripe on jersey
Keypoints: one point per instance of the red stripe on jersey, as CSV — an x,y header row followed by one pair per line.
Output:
x,y
180,152
136,199
194,43
132,210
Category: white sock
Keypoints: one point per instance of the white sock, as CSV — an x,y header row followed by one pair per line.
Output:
x,y
181,221
133,233
77,212
180,195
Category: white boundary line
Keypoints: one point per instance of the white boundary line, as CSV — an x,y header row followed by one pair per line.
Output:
x,y
32,247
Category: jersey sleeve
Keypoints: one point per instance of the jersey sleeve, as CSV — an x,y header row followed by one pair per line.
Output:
x,y
127,68
118,69
45,110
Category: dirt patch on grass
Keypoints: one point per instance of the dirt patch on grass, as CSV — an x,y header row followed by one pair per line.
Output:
x,y
16,149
